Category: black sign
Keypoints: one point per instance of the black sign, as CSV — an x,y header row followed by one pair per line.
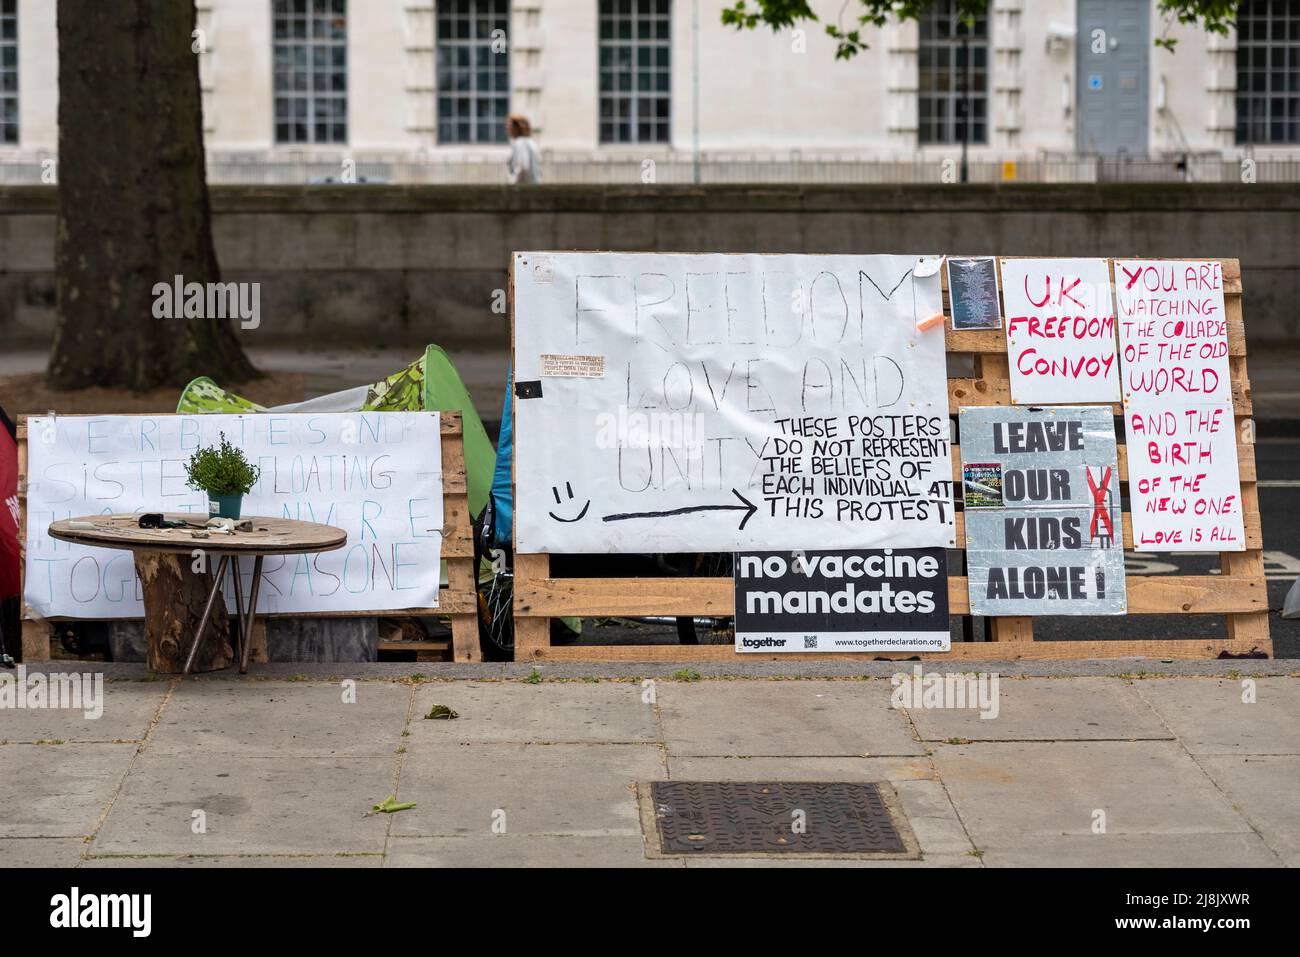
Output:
x,y
888,599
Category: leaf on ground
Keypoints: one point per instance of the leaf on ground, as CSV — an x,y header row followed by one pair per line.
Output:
x,y
389,805
441,711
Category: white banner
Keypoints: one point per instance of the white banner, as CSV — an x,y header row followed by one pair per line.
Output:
x,y
682,403
376,475
1060,322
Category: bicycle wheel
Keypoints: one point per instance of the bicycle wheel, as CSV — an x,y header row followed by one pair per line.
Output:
x,y
709,631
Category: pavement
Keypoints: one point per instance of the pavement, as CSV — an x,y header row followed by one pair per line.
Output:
x,y
1189,764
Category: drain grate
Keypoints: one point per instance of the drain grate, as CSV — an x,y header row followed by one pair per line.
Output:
x,y
778,817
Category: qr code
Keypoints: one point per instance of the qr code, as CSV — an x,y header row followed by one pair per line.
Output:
x,y
810,641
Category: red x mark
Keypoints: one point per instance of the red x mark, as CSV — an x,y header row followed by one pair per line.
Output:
x,y
1099,511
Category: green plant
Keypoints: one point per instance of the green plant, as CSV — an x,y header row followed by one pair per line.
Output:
x,y
222,470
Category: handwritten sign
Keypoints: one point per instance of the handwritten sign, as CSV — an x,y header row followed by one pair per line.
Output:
x,y
973,293
890,599
376,475
1184,489
1060,331
1055,547
1173,330
1184,486
747,402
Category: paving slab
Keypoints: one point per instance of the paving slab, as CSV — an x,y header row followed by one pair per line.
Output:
x,y
238,861
58,790
1209,716
796,718
554,713
1263,789
521,850
41,851
578,790
282,718
1049,709
1013,794
929,813
127,709
293,804
1243,849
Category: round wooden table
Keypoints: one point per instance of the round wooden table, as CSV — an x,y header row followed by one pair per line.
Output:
x,y
173,591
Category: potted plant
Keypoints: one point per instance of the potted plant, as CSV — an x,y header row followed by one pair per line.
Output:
x,y
224,474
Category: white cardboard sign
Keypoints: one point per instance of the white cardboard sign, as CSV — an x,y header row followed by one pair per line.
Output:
x,y
1060,322
746,403
376,475
1173,331
1184,488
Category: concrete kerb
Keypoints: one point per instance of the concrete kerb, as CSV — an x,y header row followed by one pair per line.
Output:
x,y
677,671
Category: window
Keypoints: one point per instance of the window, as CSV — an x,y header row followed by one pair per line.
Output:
x,y
635,38
1268,71
311,71
8,71
953,61
473,70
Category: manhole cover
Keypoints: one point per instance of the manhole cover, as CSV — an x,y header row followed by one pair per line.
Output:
x,y
777,817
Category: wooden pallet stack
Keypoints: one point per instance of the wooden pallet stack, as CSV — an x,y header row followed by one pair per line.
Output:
x,y
1238,595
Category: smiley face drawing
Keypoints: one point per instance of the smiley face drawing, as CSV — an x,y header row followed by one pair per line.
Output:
x,y
555,490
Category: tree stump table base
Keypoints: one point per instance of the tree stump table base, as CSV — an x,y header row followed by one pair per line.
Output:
x,y
175,598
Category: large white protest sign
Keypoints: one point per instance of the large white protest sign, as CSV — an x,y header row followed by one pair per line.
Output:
x,y
376,475
682,403
1184,487
1060,322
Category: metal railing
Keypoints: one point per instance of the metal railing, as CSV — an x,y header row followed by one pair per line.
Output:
x,y
634,170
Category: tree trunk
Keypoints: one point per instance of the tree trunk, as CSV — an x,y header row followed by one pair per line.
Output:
x,y
133,200
174,599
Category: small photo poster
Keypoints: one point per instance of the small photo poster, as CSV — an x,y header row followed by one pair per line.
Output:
x,y
973,292
982,485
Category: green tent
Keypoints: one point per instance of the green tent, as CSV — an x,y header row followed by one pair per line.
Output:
x,y
430,383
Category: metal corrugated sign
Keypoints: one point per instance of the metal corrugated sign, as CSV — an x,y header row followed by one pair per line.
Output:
x,y
1042,511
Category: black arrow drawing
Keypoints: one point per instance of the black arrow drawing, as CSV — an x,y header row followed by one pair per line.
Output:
x,y
748,507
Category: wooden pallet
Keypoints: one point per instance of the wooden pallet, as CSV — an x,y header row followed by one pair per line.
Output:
x,y
457,601
1239,593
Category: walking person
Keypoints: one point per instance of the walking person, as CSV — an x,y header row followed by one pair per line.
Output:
x,y
523,164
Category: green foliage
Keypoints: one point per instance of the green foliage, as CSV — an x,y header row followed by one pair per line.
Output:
x,y
222,470
1215,16
390,805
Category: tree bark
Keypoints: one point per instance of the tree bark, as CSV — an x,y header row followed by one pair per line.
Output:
x,y
174,598
133,200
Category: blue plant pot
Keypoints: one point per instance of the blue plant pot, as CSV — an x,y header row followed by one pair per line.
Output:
x,y
224,506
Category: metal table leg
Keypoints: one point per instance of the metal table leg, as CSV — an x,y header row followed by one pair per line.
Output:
x,y
207,612
239,602
251,616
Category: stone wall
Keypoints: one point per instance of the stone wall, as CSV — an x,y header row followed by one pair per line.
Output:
x,y
405,265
